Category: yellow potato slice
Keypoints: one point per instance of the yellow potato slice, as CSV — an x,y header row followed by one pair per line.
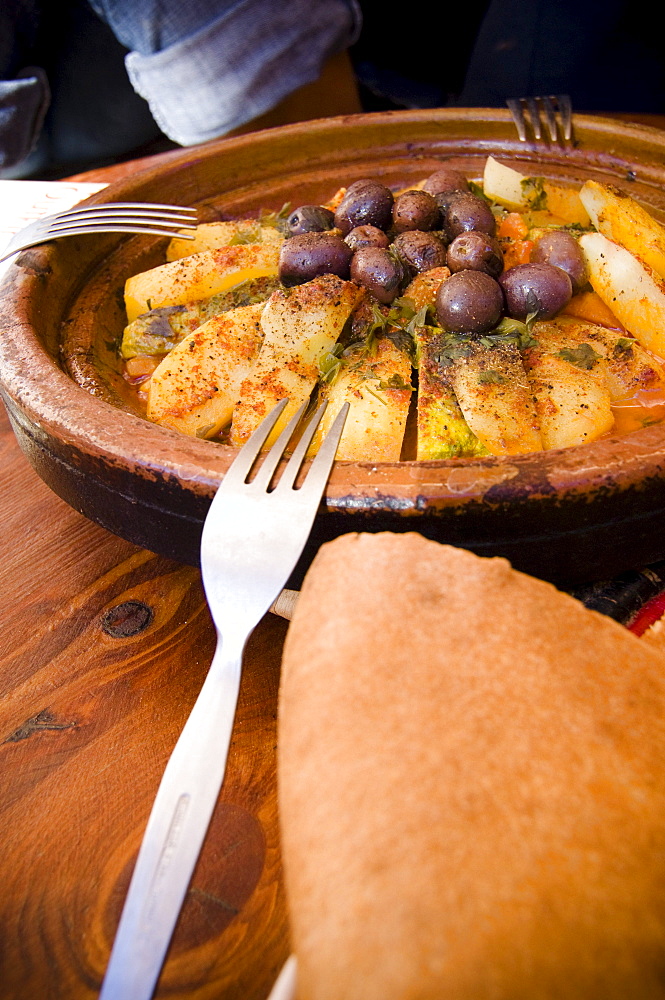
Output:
x,y
619,362
442,431
301,325
493,392
633,291
573,406
198,277
377,387
518,191
210,235
196,386
619,217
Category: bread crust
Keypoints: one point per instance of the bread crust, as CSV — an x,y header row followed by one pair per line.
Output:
x,y
471,784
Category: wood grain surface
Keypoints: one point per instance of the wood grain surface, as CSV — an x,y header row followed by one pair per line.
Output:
x,y
103,649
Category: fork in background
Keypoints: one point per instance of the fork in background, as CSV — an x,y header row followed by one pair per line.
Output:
x,y
549,106
115,217
252,540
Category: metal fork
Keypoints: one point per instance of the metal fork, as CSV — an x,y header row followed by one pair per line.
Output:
x,y
550,106
116,217
252,540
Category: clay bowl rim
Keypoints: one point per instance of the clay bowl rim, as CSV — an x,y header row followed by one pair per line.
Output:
x,y
40,393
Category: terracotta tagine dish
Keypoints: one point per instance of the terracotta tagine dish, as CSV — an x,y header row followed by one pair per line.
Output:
x,y
567,515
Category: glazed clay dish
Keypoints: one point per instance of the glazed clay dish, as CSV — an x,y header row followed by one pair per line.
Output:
x,y
567,515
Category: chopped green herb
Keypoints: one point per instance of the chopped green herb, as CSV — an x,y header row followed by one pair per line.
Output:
x,y
491,377
395,382
330,364
477,189
583,356
534,193
624,345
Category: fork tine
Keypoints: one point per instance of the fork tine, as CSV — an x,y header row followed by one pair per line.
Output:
x,y
135,209
271,461
515,109
325,456
66,226
548,107
109,227
532,106
288,477
566,109
244,460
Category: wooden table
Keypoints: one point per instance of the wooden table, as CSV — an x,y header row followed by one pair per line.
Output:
x,y
103,649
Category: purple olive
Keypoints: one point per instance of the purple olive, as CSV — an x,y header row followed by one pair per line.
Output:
x,y
474,251
446,179
465,211
378,271
366,203
366,236
469,302
310,219
540,290
415,210
561,249
309,255
420,251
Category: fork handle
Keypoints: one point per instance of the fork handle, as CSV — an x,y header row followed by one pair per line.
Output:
x,y
176,828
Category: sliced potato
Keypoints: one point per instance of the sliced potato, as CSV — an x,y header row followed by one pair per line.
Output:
x,y
619,362
159,330
518,191
442,430
629,287
198,277
210,235
573,406
301,325
196,386
494,395
378,388
619,217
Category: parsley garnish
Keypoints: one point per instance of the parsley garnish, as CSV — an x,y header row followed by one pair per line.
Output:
x,y
583,356
534,193
491,377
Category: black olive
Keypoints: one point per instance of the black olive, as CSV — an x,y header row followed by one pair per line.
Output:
x,y
445,180
420,251
366,203
541,290
415,210
469,302
562,249
309,255
474,251
378,271
464,211
366,236
310,219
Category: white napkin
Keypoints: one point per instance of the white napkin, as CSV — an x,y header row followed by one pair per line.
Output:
x,y
21,202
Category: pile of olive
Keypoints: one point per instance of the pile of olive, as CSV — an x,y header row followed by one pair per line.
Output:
x,y
381,241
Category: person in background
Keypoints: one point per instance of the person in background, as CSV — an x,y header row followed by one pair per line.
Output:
x,y
83,83
604,53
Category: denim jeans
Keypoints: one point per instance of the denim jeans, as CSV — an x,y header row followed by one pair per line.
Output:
x,y
208,66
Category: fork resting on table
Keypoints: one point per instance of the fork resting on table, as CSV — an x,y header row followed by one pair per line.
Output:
x,y
114,217
252,539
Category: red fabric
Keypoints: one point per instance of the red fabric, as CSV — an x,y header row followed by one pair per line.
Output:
x,y
652,611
